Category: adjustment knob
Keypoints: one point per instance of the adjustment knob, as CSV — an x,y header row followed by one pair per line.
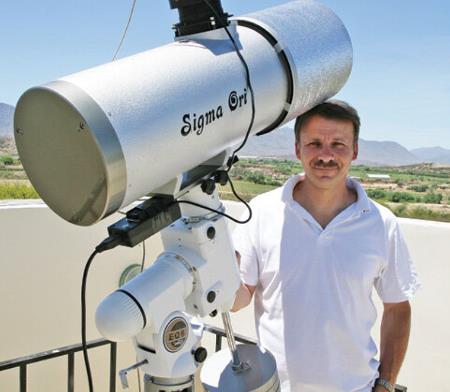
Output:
x,y
200,354
208,186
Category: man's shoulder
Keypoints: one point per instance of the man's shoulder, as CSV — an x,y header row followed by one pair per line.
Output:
x,y
268,198
278,196
377,211
385,215
268,206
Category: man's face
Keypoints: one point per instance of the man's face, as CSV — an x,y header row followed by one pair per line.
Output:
x,y
326,149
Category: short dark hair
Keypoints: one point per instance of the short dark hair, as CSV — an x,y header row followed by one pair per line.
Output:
x,y
332,109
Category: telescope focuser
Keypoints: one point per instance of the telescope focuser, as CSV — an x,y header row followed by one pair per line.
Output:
x,y
198,16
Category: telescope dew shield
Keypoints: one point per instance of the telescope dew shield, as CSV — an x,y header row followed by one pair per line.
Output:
x,y
97,140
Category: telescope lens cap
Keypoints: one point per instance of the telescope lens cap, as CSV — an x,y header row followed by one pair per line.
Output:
x,y
70,152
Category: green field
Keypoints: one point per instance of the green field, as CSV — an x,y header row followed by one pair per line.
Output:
x,y
245,189
420,191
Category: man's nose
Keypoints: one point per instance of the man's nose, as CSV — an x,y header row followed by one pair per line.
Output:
x,y
326,154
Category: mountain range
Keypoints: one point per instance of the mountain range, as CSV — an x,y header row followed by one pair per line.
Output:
x,y
280,144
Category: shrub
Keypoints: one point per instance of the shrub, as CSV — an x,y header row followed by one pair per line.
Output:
x,y
257,178
7,160
418,188
378,194
398,197
400,210
434,198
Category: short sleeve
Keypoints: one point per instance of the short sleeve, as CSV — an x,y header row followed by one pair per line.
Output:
x,y
244,242
398,281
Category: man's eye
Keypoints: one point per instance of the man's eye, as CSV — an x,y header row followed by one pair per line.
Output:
x,y
314,144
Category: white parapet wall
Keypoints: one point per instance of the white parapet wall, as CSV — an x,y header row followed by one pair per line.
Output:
x,y
42,259
427,363
41,263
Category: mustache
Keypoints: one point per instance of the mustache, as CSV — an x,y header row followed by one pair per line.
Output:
x,y
319,163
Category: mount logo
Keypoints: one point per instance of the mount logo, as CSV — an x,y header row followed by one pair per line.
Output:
x,y
175,334
195,123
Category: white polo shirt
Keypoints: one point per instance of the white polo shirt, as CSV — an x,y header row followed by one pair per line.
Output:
x,y
313,301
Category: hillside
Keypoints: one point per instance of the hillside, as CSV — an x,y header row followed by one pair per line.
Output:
x,y
373,153
280,144
6,120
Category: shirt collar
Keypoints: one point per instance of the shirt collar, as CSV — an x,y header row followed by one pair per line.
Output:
x,y
362,204
363,201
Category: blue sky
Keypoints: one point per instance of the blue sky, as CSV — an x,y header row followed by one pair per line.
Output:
x,y
400,81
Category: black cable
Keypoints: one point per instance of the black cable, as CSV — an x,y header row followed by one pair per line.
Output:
x,y
83,319
108,243
252,120
249,85
212,210
250,213
125,31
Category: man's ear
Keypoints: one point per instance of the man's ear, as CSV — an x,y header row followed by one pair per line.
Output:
x,y
297,150
355,150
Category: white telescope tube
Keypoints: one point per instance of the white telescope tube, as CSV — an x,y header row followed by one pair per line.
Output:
x,y
99,139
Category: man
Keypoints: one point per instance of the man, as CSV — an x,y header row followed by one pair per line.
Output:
x,y
312,254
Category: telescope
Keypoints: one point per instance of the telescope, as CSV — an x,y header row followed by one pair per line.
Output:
x,y
164,124
96,141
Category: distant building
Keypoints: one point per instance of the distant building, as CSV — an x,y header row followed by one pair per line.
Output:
x,y
379,176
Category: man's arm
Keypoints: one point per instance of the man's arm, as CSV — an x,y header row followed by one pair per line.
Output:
x,y
244,294
395,328
243,297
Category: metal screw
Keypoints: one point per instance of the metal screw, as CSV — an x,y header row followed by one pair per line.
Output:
x,y
211,297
